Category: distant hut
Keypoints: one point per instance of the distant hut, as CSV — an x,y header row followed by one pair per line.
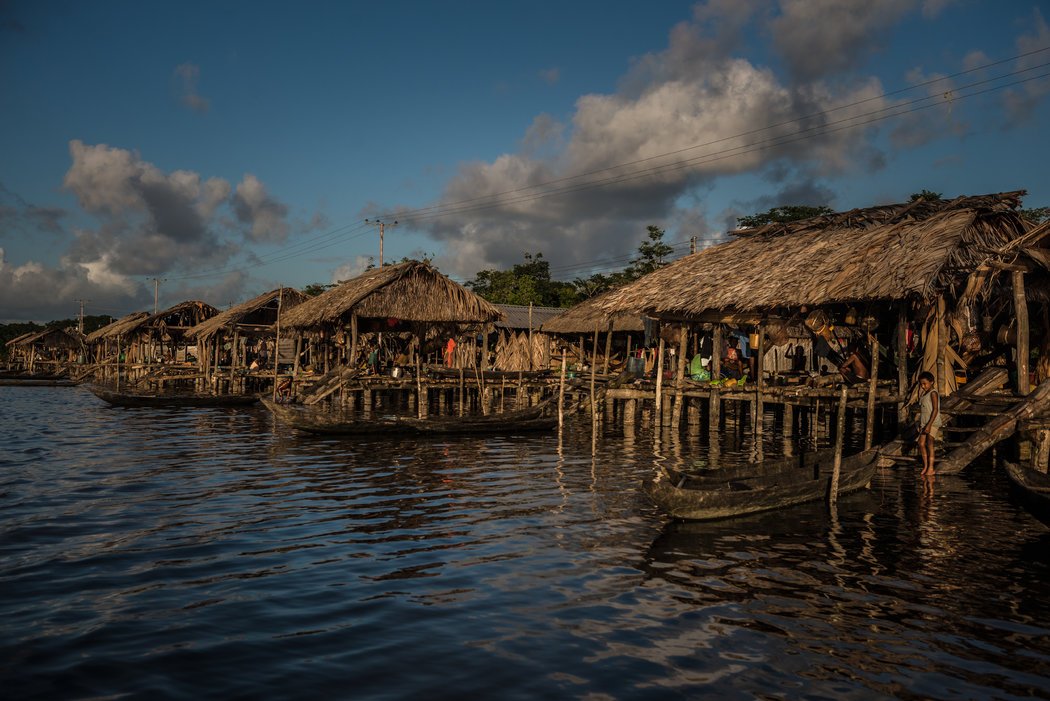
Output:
x,y
146,338
587,319
235,336
955,270
407,298
48,350
520,345
105,344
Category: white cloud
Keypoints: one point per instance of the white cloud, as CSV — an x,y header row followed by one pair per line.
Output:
x,y
265,217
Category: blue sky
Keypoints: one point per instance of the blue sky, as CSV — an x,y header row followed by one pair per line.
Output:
x,y
229,147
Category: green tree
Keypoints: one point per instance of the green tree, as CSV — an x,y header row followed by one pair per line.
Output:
x,y
927,195
652,254
780,215
1036,215
528,282
316,288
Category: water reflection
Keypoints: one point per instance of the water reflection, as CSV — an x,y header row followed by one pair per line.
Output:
x,y
142,544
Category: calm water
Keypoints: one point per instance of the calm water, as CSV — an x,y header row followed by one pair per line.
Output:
x,y
152,553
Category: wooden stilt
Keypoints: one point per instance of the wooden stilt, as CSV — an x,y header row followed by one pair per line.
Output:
x,y
902,363
836,468
561,393
760,382
658,408
683,365
1021,317
594,405
873,386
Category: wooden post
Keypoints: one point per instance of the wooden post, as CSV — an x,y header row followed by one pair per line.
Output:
x,y
836,468
352,360
276,344
716,352
683,367
658,409
530,336
1042,453
942,347
594,405
760,382
561,392
485,348
1021,317
608,349
902,363
873,388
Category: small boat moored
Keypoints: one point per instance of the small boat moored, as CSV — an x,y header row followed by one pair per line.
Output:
x,y
135,399
717,494
1032,488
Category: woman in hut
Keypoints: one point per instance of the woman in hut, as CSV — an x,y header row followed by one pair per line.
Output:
x,y
929,420
733,364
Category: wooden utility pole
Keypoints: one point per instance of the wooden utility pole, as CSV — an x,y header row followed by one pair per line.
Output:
x,y
156,291
382,227
1021,315
80,326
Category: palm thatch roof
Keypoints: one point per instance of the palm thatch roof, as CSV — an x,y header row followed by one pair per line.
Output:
x,y
411,291
261,310
894,252
589,315
120,327
181,316
51,337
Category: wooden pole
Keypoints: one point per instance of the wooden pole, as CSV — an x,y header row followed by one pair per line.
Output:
x,y
594,405
759,381
836,468
352,360
608,349
658,410
530,336
683,365
716,352
942,347
902,363
277,343
561,392
485,348
873,387
1021,317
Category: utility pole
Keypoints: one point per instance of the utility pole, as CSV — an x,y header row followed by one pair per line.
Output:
x,y
156,291
80,326
382,225
692,244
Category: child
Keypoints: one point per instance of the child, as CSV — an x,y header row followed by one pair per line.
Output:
x,y
929,420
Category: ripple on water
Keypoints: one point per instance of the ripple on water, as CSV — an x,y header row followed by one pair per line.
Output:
x,y
211,553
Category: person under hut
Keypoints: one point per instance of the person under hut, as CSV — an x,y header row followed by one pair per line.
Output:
x,y
856,367
733,364
450,353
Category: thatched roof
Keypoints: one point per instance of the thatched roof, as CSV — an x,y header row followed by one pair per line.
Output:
x,y
182,315
51,337
409,291
261,310
894,252
588,315
118,328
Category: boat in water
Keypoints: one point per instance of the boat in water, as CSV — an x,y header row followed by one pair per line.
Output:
x,y
130,398
724,493
339,422
1032,488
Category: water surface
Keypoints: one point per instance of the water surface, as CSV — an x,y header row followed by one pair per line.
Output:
x,y
167,553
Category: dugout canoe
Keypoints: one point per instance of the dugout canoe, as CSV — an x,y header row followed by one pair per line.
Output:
x,y
146,399
1032,489
338,422
716,494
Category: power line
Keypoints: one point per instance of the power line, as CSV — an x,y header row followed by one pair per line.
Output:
x,y
337,235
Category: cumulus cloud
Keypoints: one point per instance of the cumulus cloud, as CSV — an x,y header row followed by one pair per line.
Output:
x,y
187,76
147,222
264,216
821,37
351,269
681,119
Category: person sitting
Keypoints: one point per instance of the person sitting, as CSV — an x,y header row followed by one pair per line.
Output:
x,y
698,368
733,365
854,368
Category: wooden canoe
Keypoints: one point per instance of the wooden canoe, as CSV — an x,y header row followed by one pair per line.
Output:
x,y
717,494
337,422
1032,488
145,399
